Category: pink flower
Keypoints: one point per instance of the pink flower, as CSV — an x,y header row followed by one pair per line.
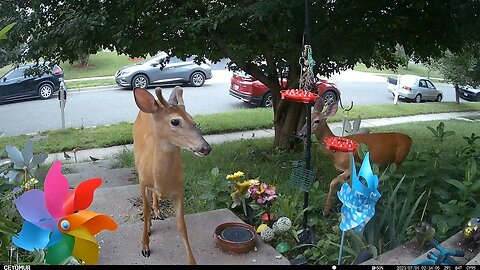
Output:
x,y
261,200
252,190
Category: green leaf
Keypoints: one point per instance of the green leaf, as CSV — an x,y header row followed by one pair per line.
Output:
x,y
3,32
215,171
448,133
455,183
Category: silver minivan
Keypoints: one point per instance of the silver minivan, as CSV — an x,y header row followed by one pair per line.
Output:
x,y
162,69
414,88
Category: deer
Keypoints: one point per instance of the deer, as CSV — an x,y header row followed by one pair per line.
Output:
x,y
160,131
384,148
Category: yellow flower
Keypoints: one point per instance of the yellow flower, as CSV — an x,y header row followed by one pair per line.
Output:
x,y
235,175
252,182
242,186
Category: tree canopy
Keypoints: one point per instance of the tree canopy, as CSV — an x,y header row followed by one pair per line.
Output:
x,y
259,36
463,66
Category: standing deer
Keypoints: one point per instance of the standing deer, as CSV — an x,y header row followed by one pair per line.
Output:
x,y
384,148
160,130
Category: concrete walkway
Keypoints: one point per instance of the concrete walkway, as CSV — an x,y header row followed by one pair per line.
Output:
x,y
106,153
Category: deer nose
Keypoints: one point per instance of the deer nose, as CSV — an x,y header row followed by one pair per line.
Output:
x,y
205,150
301,134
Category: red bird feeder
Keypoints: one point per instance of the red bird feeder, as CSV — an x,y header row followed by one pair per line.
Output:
x,y
299,95
340,144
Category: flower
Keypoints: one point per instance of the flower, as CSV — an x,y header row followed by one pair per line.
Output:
x,y
262,193
235,175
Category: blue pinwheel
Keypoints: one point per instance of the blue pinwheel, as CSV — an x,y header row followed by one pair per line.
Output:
x,y
359,200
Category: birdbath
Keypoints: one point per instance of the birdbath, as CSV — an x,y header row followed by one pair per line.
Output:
x,y
235,237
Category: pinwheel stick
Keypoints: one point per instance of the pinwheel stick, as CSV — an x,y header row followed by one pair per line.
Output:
x,y
352,164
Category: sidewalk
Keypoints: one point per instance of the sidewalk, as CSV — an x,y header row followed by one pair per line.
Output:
x,y
106,153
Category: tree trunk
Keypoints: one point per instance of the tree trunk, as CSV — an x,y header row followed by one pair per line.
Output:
x,y
84,59
289,118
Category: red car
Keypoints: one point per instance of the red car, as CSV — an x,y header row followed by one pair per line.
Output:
x,y
251,90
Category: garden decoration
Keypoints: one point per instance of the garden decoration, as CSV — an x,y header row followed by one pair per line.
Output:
x,y
358,200
441,257
58,220
472,227
351,128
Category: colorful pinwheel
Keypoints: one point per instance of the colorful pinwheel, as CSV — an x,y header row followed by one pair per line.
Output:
x,y
359,200
57,220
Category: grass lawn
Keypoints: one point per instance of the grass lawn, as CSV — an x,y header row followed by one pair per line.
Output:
x,y
414,69
258,118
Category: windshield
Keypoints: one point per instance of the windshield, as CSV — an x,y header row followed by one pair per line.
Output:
x,y
155,59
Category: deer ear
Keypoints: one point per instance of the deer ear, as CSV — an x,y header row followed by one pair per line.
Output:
x,y
318,106
176,97
158,92
331,109
144,100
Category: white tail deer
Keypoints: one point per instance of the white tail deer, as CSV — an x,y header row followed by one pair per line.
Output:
x,y
384,148
160,130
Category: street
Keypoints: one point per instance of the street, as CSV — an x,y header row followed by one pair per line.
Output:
x,y
113,105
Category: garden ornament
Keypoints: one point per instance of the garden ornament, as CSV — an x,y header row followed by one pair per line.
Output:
x,y
282,225
472,226
58,220
267,234
358,200
440,256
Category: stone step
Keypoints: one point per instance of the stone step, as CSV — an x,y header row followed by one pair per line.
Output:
x,y
408,253
122,203
112,177
123,246
475,260
456,241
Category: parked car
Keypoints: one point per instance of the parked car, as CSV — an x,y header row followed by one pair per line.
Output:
x,y
252,91
159,70
16,84
470,93
414,88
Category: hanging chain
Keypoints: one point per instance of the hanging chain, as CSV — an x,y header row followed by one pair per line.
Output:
x,y
307,79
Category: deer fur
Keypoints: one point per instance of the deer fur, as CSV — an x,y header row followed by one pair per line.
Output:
x,y
384,148
161,129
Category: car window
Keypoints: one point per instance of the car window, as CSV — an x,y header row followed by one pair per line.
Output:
x,y
422,83
156,59
15,73
408,81
430,84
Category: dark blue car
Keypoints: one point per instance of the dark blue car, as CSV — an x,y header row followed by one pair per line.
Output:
x,y
17,84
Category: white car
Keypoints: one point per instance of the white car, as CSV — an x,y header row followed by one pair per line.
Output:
x,y
414,88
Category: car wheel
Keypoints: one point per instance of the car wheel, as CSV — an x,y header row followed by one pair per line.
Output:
x,y
439,98
45,91
140,81
197,79
267,100
329,97
418,98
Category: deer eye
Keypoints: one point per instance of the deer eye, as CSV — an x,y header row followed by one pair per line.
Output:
x,y
316,121
175,122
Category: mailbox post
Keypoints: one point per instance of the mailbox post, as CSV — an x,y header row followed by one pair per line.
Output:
x,y
62,97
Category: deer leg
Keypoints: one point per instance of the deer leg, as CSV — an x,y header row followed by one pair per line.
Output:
x,y
328,203
182,228
157,213
147,222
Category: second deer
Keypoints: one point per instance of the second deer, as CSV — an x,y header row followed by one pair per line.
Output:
x,y
160,130
384,148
